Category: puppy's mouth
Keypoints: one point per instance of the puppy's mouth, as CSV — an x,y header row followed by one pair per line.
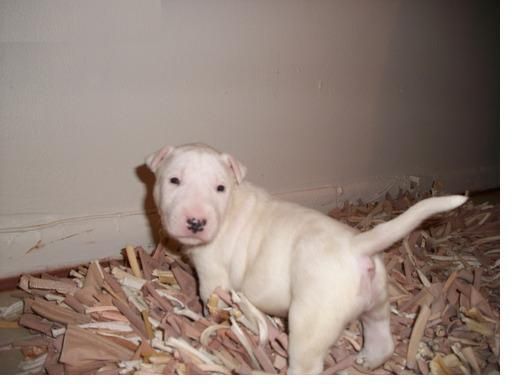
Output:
x,y
191,240
186,237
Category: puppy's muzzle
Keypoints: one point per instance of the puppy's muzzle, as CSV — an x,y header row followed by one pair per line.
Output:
x,y
196,225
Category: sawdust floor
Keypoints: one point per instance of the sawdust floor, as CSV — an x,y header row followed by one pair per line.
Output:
x,y
10,359
444,286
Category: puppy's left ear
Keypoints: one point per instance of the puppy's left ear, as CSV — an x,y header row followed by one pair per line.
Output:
x,y
239,170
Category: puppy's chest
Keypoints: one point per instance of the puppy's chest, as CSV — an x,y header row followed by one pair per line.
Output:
x,y
222,260
253,268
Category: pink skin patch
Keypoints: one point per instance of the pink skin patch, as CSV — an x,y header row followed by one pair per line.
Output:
x,y
367,269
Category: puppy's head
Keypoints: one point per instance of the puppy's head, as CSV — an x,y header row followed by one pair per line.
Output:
x,y
193,186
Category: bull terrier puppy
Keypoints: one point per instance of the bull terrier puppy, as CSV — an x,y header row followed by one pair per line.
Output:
x,y
288,260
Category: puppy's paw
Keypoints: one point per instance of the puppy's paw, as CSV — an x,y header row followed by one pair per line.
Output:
x,y
371,359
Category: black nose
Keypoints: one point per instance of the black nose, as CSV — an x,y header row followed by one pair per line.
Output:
x,y
196,225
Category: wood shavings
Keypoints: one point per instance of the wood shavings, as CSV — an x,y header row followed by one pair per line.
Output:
x,y
37,323
100,308
165,277
127,279
132,316
205,335
280,363
253,314
184,347
33,366
132,259
57,313
119,318
35,283
242,338
12,311
476,326
81,345
111,325
187,312
472,358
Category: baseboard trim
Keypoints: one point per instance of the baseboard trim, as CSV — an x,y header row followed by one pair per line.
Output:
x,y
67,241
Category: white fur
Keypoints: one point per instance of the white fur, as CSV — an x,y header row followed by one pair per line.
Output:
x,y
287,260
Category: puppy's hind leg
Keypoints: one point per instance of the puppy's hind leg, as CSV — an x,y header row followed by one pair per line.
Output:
x,y
312,333
324,300
378,341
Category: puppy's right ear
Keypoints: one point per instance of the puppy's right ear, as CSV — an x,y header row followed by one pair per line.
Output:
x,y
154,160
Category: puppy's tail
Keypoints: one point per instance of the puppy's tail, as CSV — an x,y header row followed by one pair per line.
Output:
x,y
384,235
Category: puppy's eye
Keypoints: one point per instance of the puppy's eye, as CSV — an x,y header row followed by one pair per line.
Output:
x,y
174,180
221,188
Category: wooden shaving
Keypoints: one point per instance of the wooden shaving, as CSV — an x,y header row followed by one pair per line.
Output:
x,y
11,312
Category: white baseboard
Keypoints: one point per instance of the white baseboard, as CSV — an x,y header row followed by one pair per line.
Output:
x,y
324,198
34,243
70,241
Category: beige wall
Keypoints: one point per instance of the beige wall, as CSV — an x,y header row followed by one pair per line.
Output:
x,y
329,99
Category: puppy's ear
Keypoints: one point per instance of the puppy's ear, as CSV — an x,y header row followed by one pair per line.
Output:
x,y
239,170
154,160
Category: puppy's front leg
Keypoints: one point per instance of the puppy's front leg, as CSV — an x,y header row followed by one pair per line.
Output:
x,y
209,280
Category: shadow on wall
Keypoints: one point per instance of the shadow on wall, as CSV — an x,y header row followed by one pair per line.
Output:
x,y
438,97
157,233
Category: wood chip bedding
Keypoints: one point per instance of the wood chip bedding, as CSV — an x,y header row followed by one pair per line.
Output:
x,y
144,316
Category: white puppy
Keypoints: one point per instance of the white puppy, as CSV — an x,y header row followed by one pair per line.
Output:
x,y
288,260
